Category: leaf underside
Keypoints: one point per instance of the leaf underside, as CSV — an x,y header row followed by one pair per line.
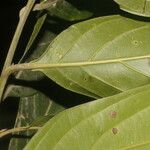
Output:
x,y
138,7
65,10
119,122
30,109
115,48
34,107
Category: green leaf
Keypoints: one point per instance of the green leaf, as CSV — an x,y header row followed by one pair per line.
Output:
x,y
138,7
120,122
26,76
35,111
65,10
37,27
100,57
34,107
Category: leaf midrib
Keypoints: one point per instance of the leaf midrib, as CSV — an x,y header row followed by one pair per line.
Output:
x,y
86,63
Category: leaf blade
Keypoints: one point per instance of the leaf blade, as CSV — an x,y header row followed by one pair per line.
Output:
x,y
65,10
92,71
33,110
109,123
140,7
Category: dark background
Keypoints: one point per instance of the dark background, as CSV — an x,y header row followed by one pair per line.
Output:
x,y
8,20
9,11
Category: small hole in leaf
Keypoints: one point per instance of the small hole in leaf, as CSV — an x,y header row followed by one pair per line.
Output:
x,y
135,42
85,79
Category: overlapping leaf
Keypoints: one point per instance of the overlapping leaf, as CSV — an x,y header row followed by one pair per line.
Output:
x,y
138,7
37,27
33,104
119,122
30,109
67,11
26,76
102,56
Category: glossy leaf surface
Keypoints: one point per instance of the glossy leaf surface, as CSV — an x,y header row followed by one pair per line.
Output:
x,y
138,7
119,122
108,55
